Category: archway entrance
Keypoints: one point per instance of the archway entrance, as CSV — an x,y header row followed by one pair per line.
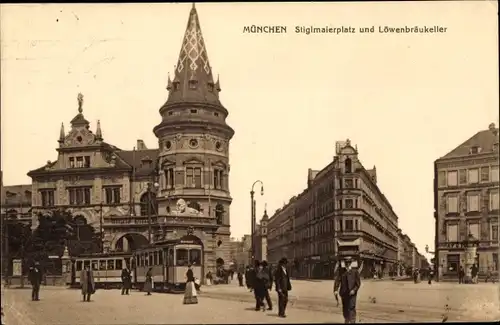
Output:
x,y
130,242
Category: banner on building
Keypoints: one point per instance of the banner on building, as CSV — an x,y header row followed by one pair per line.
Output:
x,y
17,267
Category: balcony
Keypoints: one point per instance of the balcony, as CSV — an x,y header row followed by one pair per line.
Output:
x,y
161,220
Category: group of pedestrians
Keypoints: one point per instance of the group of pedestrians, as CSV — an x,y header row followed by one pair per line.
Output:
x,y
260,279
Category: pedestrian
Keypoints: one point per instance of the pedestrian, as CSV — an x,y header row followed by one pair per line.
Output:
x,y
430,275
346,285
190,295
240,278
87,283
35,277
248,277
282,285
148,284
126,280
261,286
269,285
209,278
461,275
474,273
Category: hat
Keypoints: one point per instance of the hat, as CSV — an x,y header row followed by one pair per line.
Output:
x,y
264,263
283,261
348,259
37,263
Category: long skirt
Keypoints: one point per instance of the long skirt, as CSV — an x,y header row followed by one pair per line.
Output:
x,y
190,295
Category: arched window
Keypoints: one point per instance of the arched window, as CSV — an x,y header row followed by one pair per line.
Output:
x,y
219,213
194,205
348,165
149,198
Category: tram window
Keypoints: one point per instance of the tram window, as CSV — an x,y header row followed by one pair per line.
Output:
x,y
86,263
102,265
118,264
156,258
182,257
145,258
79,265
111,264
95,265
160,257
170,257
151,259
195,256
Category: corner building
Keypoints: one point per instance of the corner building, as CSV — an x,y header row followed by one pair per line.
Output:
x,y
182,184
341,212
466,201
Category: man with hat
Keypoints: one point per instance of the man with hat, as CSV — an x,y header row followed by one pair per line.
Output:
x,y
283,285
35,277
346,285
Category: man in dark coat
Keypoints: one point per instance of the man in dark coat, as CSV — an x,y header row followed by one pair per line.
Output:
x,y
126,280
35,277
269,286
248,277
283,286
346,285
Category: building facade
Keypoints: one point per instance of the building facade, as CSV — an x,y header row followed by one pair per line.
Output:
x,y
466,201
138,196
260,238
341,212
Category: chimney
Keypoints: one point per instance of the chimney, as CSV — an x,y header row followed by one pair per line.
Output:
x,y
493,129
141,145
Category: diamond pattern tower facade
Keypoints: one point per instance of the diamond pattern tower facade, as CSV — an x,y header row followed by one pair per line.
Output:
x,y
193,157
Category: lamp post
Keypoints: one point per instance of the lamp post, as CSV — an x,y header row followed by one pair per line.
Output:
x,y
151,186
253,219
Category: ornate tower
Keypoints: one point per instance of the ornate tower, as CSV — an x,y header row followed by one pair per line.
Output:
x,y
263,235
193,139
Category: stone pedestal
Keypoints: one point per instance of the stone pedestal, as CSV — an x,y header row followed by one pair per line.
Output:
x,y
66,266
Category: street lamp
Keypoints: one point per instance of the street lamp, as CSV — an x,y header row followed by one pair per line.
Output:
x,y
151,187
253,218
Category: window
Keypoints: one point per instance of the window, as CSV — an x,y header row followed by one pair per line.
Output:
x,y
218,179
47,198
151,259
349,203
452,178
148,204
494,201
452,233
86,161
462,176
442,178
485,174
160,257
79,196
95,265
356,225
169,177
79,162
189,176
473,176
473,229
197,177
219,214
72,162
195,256
495,261
119,264
112,195
349,183
348,165
102,265
181,257
193,111
79,265
472,202
111,264
452,204
494,231
349,225
452,262
494,173
475,150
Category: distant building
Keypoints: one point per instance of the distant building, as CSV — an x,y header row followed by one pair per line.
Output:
x,y
466,201
341,212
239,253
260,238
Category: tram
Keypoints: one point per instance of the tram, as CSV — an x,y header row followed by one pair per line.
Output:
x,y
107,268
169,262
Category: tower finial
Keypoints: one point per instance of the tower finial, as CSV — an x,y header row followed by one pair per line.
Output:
x,y
98,131
265,206
194,5
62,135
80,102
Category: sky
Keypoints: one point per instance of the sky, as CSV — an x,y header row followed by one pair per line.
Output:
x,y
403,99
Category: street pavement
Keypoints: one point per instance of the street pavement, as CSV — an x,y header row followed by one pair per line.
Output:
x,y
389,301
58,306
311,302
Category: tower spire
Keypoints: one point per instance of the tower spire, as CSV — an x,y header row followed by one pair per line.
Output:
x,y
193,79
62,134
79,120
98,132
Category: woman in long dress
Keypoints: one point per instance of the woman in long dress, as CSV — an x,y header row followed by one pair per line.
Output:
x,y
148,285
190,295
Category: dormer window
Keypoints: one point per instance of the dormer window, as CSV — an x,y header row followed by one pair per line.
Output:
x,y
495,146
348,165
193,111
210,86
475,150
176,85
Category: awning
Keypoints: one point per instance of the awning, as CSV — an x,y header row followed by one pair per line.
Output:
x,y
355,242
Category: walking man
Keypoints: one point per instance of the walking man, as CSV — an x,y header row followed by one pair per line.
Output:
x,y
87,282
461,274
126,280
35,277
346,285
283,285
268,270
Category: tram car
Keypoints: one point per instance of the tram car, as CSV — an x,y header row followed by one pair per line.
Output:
x,y
169,262
107,269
